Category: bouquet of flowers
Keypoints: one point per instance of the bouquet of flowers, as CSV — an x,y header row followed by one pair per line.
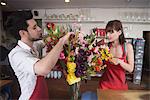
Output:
x,y
83,57
91,56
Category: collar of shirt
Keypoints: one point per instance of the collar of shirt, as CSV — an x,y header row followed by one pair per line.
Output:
x,y
25,46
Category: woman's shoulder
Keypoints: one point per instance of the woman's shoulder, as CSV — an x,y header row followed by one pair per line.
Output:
x,y
129,47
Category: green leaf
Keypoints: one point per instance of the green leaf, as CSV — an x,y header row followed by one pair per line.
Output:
x,y
62,64
94,58
72,58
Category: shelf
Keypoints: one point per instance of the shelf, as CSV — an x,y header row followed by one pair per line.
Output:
x,y
71,21
91,21
136,22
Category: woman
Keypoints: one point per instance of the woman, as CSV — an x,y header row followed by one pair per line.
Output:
x,y
122,61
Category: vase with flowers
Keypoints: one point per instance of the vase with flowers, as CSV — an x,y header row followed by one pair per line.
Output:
x,y
81,58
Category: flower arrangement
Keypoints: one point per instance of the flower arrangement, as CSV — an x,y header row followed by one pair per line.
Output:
x,y
83,56
53,34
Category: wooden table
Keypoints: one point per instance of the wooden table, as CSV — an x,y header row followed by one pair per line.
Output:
x,y
123,95
4,83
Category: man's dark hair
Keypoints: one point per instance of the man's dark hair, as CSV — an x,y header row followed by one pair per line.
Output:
x,y
18,21
116,25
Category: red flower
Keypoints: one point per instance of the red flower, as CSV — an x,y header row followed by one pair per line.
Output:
x,y
99,61
53,26
48,26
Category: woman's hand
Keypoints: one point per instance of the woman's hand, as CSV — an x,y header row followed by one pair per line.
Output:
x,y
115,61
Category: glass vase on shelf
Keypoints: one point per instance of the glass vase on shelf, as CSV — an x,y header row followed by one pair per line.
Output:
x,y
75,91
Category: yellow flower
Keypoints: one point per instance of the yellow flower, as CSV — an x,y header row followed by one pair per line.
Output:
x,y
71,65
71,70
71,79
105,54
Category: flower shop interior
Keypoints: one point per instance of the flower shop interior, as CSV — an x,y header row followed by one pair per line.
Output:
x,y
84,16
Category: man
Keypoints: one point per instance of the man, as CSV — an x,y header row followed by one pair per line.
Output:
x,y
29,69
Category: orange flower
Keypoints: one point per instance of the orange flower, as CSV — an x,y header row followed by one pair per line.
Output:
x,y
99,61
98,68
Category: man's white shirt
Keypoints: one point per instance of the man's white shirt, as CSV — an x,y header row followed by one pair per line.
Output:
x,y
22,59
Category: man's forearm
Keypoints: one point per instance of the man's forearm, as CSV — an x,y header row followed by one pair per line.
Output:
x,y
43,66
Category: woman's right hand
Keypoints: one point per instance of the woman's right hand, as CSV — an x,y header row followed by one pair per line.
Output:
x,y
115,61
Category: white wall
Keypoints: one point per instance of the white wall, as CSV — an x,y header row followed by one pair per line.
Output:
x,y
135,20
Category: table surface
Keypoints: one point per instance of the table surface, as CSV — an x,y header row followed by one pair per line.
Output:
x,y
4,82
123,95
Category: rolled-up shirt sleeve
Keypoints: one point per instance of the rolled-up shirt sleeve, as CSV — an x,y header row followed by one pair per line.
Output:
x,y
23,61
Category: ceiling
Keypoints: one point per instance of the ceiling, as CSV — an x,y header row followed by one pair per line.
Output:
x,y
47,4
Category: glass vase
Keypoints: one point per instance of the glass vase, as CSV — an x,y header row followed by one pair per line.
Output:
x,y
75,91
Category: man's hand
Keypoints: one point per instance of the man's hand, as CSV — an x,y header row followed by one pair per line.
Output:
x,y
65,38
